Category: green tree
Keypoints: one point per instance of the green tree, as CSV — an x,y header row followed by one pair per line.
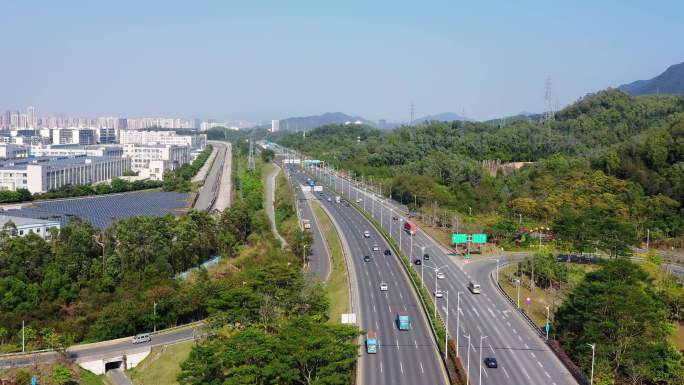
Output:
x,y
61,375
267,155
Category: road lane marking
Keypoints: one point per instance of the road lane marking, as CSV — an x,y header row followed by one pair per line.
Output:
x,y
547,374
380,366
401,366
505,372
540,365
397,343
421,367
532,353
525,373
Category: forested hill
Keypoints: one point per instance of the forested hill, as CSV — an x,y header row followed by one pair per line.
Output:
x,y
610,150
669,82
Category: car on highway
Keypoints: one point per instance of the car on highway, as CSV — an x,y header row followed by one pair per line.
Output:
x,y
474,287
388,252
366,258
383,286
491,362
418,262
439,294
359,200
376,248
440,275
366,234
141,338
426,257
329,199
394,217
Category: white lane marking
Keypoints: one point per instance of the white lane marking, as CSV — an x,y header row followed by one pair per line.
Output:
x,y
527,346
505,372
377,327
421,367
401,366
520,338
374,310
491,312
479,329
415,342
491,348
525,373
380,366
532,353
397,343
547,374
515,331
390,308
476,313
540,365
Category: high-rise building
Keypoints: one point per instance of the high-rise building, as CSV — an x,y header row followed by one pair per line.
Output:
x,y
275,125
31,118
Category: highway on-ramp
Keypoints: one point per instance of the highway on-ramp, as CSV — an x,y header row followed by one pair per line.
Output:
x,y
404,357
522,355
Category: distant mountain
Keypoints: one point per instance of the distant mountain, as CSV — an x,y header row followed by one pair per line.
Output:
x,y
311,122
522,116
445,117
669,82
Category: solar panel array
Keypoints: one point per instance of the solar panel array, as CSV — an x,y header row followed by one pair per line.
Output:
x,y
103,210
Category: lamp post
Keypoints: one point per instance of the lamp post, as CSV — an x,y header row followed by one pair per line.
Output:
x,y
446,331
304,257
480,375
497,270
155,316
517,281
422,265
593,350
467,360
458,317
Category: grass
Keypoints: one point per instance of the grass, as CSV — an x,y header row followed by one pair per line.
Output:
x,y
43,371
162,365
337,287
285,212
90,378
541,297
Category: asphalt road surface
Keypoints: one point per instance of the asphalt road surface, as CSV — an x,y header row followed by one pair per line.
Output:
x,y
211,188
403,357
522,355
319,260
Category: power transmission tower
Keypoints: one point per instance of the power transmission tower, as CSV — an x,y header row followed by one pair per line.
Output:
x,y
251,165
412,114
549,111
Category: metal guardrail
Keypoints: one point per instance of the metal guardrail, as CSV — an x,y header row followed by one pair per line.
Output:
x,y
561,355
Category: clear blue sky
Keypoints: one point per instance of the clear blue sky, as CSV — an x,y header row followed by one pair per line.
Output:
x,y
255,60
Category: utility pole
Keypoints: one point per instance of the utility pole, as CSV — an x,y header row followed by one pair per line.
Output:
x,y
446,331
23,337
458,316
155,316
593,350
304,257
468,361
547,323
422,252
517,281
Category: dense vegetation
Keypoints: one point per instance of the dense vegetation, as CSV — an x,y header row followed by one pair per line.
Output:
x,y
617,308
117,185
620,153
180,178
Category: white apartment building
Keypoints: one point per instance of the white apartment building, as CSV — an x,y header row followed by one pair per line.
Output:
x,y
275,125
112,150
25,226
152,160
43,174
162,137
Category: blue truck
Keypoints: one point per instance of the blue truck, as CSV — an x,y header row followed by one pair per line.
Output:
x,y
371,343
403,321
311,182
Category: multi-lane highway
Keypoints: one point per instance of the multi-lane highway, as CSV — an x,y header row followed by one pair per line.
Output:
x,y
403,357
523,357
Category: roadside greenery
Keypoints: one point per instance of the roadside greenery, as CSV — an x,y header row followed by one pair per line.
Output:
x,y
180,178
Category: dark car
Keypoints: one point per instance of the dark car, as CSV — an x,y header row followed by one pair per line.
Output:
x,y
491,362
388,252
426,257
366,258
418,262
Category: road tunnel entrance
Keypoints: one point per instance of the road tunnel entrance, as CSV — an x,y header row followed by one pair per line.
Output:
x,y
113,365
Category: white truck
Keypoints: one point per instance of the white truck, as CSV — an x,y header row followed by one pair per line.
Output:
x,y
306,224
337,199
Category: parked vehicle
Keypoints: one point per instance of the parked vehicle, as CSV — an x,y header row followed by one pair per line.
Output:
x,y
141,338
371,343
410,227
403,321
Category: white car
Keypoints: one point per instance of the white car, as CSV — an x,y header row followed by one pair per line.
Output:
x,y
439,294
376,248
359,200
440,275
383,286
366,234
141,338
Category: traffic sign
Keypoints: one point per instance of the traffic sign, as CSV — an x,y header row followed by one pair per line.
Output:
x,y
548,327
479,238
459,238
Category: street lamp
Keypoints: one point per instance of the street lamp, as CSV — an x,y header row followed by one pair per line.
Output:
x,y
422,265
497,271
468,360
517,281
480,375
593,350
458,317
446,332
155,316
304,257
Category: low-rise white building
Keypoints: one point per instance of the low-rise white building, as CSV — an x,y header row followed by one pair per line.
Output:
x,y
25,226
162,137
45,173
152,160
14,151
73,150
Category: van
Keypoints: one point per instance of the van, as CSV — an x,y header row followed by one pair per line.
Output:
x,y
474,287
141,338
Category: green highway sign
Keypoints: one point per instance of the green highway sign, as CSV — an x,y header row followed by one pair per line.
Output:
x,y
479,238
459,238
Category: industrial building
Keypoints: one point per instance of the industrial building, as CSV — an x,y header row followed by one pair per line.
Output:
x,y
25,226
152,160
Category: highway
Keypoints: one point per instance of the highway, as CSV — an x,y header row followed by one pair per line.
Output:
x,y
216,188
404,357
522,355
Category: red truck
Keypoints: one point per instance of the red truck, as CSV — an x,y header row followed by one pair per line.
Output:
x,y
410,227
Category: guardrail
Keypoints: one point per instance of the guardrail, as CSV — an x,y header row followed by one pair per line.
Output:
x,y
553,345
